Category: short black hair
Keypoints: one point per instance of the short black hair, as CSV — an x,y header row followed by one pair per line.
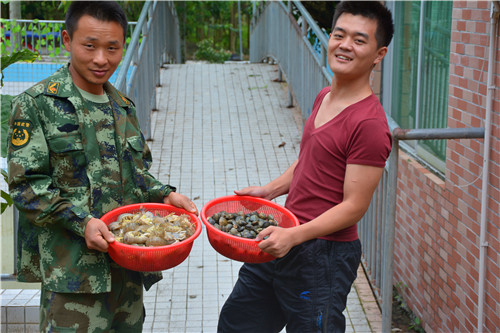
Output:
x,y
374,10
107,11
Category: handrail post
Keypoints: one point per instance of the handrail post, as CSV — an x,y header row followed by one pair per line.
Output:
x,y
121,76
390,220
304,28
323,56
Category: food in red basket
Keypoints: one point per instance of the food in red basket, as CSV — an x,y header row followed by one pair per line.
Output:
x,y
146,229
239,224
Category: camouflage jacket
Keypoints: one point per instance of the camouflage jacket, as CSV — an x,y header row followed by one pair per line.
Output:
x,y
58,183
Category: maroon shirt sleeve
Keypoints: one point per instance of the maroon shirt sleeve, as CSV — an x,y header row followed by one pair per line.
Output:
x,y
373,146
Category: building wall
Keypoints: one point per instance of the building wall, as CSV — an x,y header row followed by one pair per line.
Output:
x,y
438,221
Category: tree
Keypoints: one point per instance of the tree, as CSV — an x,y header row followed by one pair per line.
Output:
x,y
321,12
215,21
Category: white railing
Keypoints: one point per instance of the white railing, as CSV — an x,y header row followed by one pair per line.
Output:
x,y
41,36
155,41
275,33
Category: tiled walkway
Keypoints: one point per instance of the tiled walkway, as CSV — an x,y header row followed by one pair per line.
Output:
x,y
219,128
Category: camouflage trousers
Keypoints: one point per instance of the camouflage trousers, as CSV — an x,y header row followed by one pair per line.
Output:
x,y
120,310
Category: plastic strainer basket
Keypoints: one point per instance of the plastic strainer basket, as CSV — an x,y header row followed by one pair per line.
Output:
x,y
156,258
239,248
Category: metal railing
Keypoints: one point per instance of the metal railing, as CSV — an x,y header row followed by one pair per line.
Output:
x,y
41,36
158,26
377,227
276,33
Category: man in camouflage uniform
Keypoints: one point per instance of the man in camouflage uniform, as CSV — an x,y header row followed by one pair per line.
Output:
x,y
76,152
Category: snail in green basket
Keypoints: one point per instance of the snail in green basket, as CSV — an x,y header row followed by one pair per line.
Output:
x,y
146,229
239,224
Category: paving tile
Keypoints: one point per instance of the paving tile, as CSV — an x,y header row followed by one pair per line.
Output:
x,y
195,329
32,314
147,326
3,317
31,328
349,329
209,328
361,328
371,307
5,300
35,301
210,313
193,317
195,311
210,323
16,328
177,325
178,313
15,315
373,318
28,294
161,309
376,326
358,316
160,326
165,318
10,292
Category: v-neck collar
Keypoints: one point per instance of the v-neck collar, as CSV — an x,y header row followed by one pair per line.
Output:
x,y
342,114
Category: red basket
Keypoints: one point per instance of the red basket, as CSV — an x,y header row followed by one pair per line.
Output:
x,y
155,258
239,248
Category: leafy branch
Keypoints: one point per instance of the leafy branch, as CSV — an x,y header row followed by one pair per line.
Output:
x,y
7,60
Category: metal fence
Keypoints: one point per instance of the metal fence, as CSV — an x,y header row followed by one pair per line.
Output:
x,y
377,227
158,26
41,36
276,33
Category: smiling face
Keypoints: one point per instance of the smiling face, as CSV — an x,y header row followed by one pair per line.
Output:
x,y
96,51
352,47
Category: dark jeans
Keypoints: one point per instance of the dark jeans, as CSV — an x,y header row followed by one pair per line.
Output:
x,y
306,290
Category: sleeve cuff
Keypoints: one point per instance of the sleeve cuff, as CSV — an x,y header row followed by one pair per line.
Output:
x,y
157,195
79,221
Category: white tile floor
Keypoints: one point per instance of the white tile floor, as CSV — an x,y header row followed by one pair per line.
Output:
x,y
218,128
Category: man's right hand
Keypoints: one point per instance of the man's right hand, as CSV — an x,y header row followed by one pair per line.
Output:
x,y
255,191
97,235
273,189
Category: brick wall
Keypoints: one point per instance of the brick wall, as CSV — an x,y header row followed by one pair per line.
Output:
x,y
438,222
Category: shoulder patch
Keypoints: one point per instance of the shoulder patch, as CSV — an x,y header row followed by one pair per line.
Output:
x,y
21,133
124,99
52,88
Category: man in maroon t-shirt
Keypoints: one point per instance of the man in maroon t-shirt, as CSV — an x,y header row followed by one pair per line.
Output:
x,y
344,147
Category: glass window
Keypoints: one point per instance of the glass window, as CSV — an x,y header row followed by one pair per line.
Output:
x,y
420,67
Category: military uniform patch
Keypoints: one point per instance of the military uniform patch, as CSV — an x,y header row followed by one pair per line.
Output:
x,y
52,88
21,133
124,99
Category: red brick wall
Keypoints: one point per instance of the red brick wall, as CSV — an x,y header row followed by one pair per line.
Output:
x,y
438,222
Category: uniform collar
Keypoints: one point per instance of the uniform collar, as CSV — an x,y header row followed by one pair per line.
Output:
x,y
61,84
